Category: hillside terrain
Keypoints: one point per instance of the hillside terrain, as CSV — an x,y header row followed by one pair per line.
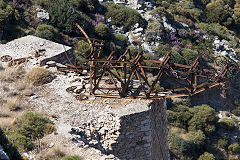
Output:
x,y
39,119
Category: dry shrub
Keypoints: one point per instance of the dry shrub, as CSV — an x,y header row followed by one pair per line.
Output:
x,y
4,112
12,74
12,104
53,154
49,128
21,85
28,92
5,88
4,123
39,76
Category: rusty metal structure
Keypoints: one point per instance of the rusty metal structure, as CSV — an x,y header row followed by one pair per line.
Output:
x,y
128,75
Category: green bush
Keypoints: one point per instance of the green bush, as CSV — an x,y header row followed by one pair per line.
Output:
x,y
122,15
216,12
179,116
234,148
71,158
30,126
227,124
133,50
47,32
197,137
7,11
22,142
188,10
103,31
34,125
182,147
206,156
186,102
85,5
204,119
222,143
177,58
120,38
162,50
43,3
216,29
236,16
64,17
8,147
189,55
81,51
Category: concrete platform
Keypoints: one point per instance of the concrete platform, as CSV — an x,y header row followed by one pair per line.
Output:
x,y
30,45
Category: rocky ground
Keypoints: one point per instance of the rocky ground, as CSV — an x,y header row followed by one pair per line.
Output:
x,y
72,116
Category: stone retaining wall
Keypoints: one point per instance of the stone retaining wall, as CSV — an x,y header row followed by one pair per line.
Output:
x,y
140,134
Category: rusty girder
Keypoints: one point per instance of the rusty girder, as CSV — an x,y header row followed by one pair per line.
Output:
x,y
125,71
126,76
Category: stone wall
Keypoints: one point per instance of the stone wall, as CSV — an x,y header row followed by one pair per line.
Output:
x,y
133,132
135,138
159,131
66,57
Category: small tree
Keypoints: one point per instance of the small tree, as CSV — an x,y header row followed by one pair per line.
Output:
x,y
47,32
179,116
103,31
234,148
198,137
122,15
81,51
182,147
223,143
227,124
64,16
216,12
206,156
85,5
189,55
204,118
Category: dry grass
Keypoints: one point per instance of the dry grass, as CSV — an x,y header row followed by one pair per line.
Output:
x,y
5,123
55,153
21,85
12,74
12,104
4,112
39,76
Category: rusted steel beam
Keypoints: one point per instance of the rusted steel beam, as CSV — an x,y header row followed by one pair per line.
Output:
x,y
85,34
132,72
126,69
161,69
6,58
18,61
110,57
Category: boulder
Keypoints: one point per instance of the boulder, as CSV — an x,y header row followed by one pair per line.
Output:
x,y
42,14
3,155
